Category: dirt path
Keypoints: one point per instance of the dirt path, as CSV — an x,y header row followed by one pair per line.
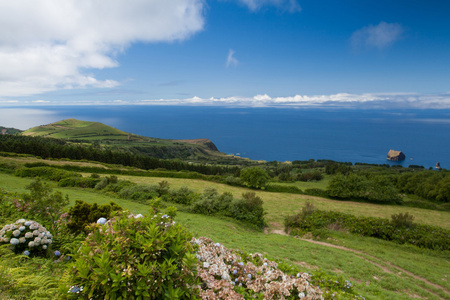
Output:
x,y
376,262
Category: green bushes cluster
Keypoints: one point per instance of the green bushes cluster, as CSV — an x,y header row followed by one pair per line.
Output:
x,y
400,229
359,187
248,209
183,195
135,258
83,214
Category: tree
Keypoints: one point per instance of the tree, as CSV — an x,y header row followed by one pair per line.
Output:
x,y
42,202
254,177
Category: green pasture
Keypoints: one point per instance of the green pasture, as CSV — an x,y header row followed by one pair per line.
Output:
x,y
377,269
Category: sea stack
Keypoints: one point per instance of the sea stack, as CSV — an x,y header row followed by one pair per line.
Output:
x,y
395,155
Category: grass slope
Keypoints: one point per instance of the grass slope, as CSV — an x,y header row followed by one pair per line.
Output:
x,y
378,269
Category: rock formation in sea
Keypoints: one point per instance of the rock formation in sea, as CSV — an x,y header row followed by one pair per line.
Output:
x,y
395,155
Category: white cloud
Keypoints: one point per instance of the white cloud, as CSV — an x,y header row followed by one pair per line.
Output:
x,y
340,100
47,45
380,36
289,5
231,60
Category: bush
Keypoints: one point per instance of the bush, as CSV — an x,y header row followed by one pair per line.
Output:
x,y
83,214
140,193
425,236
83,182
249,209
254,177
135,258
182,196
26,237
402,220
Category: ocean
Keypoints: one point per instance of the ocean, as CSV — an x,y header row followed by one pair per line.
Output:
x,y
281,134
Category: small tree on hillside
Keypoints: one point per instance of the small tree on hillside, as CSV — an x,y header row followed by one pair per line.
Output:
x,y
254,177
42,202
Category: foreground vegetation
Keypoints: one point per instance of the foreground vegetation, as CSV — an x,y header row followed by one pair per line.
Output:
x,y
369,265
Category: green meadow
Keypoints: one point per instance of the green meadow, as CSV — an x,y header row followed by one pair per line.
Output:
x,y
377,269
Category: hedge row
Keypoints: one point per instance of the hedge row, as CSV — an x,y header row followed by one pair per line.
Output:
x,y
425,236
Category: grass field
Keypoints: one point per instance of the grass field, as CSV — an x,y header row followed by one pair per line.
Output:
x,y
378,269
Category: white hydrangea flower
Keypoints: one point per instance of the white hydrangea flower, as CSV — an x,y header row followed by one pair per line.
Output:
x,y
22,228
14,241
37,240
138,216
28,235
35,232
21,221
16,233
101,221
31,244
44,247
22,240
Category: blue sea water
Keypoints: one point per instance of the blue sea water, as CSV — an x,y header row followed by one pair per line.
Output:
x,y
287,134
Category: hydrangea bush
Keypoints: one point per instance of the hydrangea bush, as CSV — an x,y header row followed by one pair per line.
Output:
x,y
26,237
134,257
226,275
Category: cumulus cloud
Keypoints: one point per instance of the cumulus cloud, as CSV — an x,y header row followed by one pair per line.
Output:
x,y
288,5
379,36
231,60
47,45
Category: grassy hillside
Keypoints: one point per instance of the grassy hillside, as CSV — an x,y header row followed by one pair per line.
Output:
x,y
107,137
377,269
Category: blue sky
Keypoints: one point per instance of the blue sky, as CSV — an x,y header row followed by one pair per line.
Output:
x,y
226,52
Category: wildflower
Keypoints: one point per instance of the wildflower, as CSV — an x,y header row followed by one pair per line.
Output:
x,y
101,221
138,216
164,216
26,252
57,253
75,289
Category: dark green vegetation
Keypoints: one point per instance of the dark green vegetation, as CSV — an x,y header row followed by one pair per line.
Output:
x,y
399,229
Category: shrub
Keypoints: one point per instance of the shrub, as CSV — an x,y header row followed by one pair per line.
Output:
x,y
139,193
42,203
83,182
83,214
249,209
402,220
102,184
182,196
26,237
135,258
424,236
254,177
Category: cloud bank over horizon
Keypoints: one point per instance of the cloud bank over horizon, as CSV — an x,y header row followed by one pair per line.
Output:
x,y
340,100
48,45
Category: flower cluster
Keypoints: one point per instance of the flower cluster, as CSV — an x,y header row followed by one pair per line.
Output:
x,y
26,234
225,275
